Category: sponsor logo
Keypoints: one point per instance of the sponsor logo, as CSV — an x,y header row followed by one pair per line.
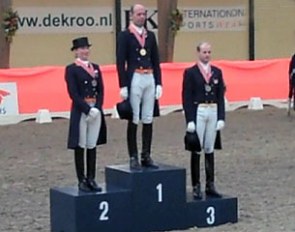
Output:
x,y
3,94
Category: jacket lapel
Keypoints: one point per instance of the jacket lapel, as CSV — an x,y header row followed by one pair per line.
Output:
x,y
198,75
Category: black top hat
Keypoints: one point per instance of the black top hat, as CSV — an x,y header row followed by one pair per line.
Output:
x,y
80,42
125,110
191,141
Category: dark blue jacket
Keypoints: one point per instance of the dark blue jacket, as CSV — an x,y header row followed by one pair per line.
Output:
x,y
193,92
79,86
129,59
128,54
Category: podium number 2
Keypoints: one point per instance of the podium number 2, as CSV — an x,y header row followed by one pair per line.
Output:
x,y
104,207
160,193
211,218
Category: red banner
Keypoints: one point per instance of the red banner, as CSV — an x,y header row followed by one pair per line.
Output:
x,y
45,87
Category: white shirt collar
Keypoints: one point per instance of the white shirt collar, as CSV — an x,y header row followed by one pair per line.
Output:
x,y
206,67
138,29
85,62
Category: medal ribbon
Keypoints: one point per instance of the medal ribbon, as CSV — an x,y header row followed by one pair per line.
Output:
x,y
89,68
206,75
140,38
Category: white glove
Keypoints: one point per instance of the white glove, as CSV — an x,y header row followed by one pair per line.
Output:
x,y
159,92
93,113
220,125
124,93
191,127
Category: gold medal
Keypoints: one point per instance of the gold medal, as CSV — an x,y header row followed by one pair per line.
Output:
x,y
142,52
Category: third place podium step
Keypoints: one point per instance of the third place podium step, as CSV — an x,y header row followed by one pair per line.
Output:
x,y
210,212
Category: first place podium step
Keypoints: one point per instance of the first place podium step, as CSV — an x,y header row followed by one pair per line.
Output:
x,y
158,195
138,201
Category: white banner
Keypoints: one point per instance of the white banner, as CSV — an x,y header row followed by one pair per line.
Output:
x,y
8,99
101,19
65,19
215,19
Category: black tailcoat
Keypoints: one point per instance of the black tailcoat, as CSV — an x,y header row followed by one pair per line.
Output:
x,y
79,86
129,59
194,93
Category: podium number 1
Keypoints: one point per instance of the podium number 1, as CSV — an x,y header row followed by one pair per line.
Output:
x,y
211,218
160,193
104,207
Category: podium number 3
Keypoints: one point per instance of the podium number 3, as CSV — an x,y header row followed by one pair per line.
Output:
x,y
211,218
104,207
160,192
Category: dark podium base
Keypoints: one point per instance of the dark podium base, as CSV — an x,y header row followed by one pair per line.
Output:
x,y
158,195
212,211
138,201
74,211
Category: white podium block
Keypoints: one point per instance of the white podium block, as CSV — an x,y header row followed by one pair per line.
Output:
x,y
226,104
115,113
255,103
43,116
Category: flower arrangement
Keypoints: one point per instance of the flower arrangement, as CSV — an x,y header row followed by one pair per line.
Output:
x,y
10,24
176,20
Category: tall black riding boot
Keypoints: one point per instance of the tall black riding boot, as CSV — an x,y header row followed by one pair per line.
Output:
x,y
91,166
147,134
209,167
132,145
195,175
79,165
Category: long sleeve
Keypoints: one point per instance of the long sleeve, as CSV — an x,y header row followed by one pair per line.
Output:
x,y
187,97
121,59
220,97
101,90
156,61
72,87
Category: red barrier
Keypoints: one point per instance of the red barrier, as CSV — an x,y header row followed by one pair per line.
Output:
x,y
44,87
267,79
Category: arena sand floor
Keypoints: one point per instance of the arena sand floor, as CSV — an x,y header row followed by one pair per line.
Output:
x,y
257,165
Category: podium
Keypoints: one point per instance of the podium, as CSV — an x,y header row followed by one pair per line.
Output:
x,y
212,211
74,211
158,195
138,201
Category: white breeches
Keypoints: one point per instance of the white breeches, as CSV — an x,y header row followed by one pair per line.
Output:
x,y
206,126
89,131
142,97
